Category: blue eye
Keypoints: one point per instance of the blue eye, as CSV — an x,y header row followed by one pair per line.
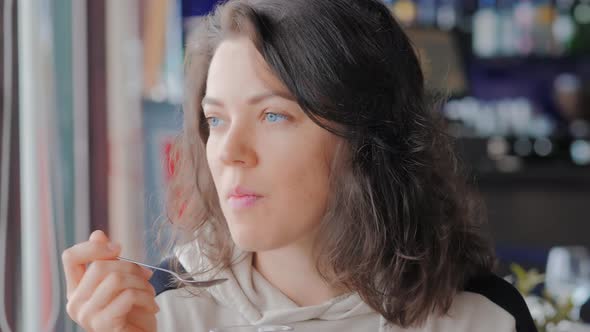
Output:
x,y
214,121
274,117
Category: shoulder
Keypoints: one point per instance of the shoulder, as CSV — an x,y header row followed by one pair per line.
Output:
x,y
501,294
487,303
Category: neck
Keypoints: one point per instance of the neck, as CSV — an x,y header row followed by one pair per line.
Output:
x,y
293,271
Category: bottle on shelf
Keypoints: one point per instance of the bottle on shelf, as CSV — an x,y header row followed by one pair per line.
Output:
x,y
506,40
426,16
563,27
404,10
485,23
543,43
580,43
524,19
448,14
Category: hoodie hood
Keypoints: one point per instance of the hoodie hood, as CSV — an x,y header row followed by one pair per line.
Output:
x,y
249,293
247,298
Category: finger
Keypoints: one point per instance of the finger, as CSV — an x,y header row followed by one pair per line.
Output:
x,y
83,307
75,258
121,306
118,325
142,319
99,236
100,270
110,288
114,265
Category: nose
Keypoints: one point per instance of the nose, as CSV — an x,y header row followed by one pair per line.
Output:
x,y
238,147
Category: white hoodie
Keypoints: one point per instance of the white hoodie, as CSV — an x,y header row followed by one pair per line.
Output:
x,y
247,298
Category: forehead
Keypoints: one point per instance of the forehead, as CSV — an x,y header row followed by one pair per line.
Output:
x,y
238,68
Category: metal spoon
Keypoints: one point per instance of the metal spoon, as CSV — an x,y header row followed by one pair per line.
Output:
x,y
192,282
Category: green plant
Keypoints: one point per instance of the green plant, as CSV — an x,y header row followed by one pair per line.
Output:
x,y
546,310
526,281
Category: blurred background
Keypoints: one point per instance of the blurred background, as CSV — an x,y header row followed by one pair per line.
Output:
x,y
91,101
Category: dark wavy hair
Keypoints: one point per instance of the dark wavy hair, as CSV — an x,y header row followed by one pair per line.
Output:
x,y
402,228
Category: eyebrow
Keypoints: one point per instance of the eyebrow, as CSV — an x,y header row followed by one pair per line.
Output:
x,y
252,100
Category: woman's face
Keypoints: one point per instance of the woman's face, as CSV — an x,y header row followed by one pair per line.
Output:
x,y
269,161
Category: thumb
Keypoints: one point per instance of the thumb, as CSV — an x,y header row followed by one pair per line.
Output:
x,y
99,236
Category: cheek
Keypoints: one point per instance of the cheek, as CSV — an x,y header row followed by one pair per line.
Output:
x,y
307,177
211,161
294,209
215,169
306,185
294,173
300,192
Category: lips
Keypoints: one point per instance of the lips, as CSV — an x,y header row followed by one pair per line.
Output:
x,y
241,192
240,198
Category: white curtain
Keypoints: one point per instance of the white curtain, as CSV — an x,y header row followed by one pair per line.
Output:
x,y
53,154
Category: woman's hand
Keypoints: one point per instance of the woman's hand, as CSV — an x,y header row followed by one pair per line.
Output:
x,y
108,295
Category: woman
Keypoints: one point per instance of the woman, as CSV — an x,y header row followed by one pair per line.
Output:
x,y
313,175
